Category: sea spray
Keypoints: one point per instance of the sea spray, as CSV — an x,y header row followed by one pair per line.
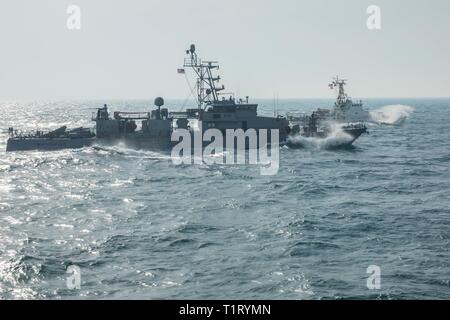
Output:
x,y
391,114
336,138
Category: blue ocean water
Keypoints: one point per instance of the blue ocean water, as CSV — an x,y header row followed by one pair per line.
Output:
x,y
139,226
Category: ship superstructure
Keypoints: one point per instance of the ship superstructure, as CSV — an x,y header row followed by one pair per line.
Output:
x,y
344,109
136,129
220,110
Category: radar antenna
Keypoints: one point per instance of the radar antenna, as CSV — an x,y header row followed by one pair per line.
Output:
x,y
340,84
207,91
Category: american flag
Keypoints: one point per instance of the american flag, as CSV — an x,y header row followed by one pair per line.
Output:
x,y
181,71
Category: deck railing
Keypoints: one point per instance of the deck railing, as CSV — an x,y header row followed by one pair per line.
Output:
x,y
14,133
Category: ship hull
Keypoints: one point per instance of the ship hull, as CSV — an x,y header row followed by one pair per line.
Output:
x,y
46,144
138,142
354,133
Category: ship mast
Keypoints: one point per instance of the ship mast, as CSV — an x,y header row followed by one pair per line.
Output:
x,y
339,83
207,91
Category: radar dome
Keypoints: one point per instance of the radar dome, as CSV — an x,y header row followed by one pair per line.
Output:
x,y
159,102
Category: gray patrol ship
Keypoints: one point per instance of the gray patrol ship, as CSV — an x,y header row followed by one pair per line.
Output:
x,y
153,129
346,116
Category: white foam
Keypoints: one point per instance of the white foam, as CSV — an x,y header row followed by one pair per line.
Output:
x,y
122,148
336,138
391,114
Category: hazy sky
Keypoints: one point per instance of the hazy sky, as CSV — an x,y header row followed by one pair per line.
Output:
x,y
132,49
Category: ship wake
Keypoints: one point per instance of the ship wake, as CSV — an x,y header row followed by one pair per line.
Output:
x,y
123,149
391,114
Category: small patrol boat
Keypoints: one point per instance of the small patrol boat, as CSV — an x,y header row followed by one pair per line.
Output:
x,y
313,126
346,118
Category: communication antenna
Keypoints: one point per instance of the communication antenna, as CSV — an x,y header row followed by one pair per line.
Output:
x,y
340,85
274,104
276,98
207,90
